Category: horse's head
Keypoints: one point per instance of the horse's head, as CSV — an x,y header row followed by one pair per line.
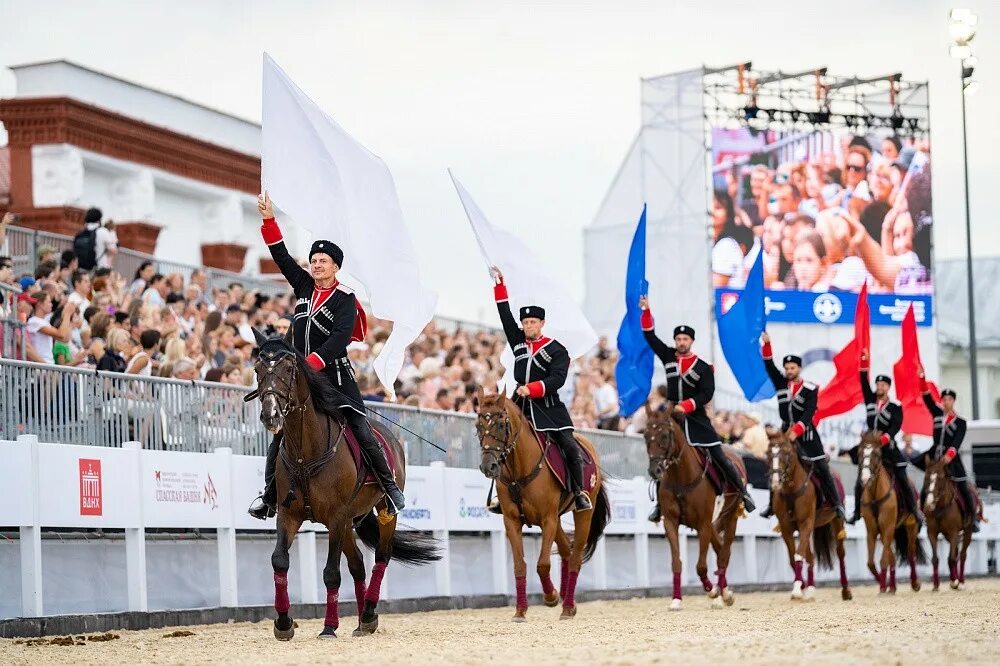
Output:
x,y
281,382
495,427
662,443
870,455
781,457
936,486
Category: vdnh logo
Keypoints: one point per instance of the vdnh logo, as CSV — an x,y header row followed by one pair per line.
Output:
x,y
91,498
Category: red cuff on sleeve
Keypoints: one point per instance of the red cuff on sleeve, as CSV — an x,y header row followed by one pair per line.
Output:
x,y
315,362
688,406
646,320
799,428
766,352
270,231
885,439
500,292
951,453
536,389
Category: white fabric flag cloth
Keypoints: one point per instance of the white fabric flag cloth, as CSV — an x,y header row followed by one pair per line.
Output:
x,y
323,179
529,282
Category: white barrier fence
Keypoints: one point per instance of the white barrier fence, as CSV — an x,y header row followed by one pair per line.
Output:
x,y
68,487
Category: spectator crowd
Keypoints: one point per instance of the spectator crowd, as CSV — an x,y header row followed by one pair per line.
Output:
x,y
177,326
858,212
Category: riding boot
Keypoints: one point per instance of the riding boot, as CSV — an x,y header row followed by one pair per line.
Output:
x,y
574,463
829,486
728,470
374,456
857,501
768,511
264,506
899,471
654,515
970,503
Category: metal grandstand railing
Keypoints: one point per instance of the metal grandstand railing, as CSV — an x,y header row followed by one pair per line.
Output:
x,y
77,406
11,328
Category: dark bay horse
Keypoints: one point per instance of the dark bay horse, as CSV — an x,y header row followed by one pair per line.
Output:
x,y
944,517
883,518
317,474
530,493
688,498
820,529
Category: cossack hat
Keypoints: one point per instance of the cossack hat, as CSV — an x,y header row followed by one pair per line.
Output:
x,y
532,311
684,330
792,358
329,249
950,392
884,378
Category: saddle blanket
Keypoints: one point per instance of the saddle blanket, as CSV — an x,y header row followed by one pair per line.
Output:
x,y
556,462
714,474
823,500
355,447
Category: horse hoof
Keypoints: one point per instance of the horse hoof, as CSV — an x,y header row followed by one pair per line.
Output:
x,y
936,588
357,633
915,586
368,627
675,604
961,586
846,595
327,633
568,613
284,634
954,584
728,597
717,603
714,592
809,594
552,601
519,615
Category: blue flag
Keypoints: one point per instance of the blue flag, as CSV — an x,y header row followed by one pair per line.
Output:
x,y
634,370
739,334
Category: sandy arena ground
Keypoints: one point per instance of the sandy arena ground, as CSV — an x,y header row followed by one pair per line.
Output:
x,y
761,628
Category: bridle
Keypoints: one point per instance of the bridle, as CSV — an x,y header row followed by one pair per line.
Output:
x,y
283,386
659,434
936,485
779,461
870,458
499,429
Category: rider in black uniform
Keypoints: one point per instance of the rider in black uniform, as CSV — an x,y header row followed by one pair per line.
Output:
x,y
949,434
540,368
796,406
327,318
691,386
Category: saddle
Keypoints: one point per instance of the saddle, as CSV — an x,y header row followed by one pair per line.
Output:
x,y
359,462
714,474
913,491
822,501
557,463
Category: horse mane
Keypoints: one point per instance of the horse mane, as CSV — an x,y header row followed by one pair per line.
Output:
x,y
871,437
324,394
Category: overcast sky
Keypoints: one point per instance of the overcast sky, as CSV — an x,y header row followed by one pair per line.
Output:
x,y
533,104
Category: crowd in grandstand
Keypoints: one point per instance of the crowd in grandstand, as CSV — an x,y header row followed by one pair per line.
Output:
x,y
836,220
176,326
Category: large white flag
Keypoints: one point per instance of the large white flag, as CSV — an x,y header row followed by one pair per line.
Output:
x,y
322,178
529,282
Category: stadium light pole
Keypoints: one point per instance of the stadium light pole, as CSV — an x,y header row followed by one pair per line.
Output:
x,y
962,27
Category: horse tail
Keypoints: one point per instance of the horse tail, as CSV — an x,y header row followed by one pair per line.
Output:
x,y
902,542
602,516
407,547
824,543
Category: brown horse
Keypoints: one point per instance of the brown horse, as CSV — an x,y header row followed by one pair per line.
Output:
x,y
318,477
797,509
883,518
688,498
530,494
944,517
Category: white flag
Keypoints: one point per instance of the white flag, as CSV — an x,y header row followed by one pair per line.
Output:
x,y
529,282
329,183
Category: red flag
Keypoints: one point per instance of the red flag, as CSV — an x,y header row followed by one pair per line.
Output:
x,y
906,375
843,392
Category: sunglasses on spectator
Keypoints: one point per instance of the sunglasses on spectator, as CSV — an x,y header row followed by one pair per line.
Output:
x,y
855,167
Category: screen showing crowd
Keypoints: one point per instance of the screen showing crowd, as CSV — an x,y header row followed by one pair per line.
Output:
x,y
831,210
